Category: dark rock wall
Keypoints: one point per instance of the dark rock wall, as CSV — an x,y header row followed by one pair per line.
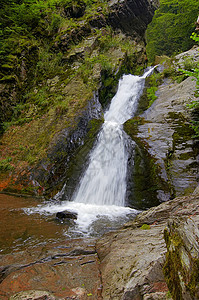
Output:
x,y
132,16
63,164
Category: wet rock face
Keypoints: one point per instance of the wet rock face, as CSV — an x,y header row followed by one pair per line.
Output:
x,y
164,132
182,260
169,136
131,16
54,170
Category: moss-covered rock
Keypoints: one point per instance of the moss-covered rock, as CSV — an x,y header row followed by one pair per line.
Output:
x,y
181,269
145,187
164,131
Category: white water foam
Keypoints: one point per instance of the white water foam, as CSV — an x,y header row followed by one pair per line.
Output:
x,y
100,197
92,219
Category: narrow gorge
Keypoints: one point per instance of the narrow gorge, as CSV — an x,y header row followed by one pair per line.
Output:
x,y
98,185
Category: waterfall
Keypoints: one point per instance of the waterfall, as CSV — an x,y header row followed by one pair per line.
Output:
x,y
102,189
104,182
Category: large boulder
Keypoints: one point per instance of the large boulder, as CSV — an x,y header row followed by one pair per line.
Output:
x,y
132,258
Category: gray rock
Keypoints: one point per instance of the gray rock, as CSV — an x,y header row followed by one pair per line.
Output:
x,y
192,55
128,15
166,132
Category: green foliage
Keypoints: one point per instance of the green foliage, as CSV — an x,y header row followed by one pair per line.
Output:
x,y
171,27
194,105
36,41
189,64
145,227
48,63
151,94
62,107
55,24
154,82
5,164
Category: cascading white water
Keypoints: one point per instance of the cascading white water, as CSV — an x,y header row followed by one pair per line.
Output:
x,y
102,189
104,182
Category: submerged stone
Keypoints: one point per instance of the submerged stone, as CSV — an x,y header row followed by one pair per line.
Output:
x,y
66,215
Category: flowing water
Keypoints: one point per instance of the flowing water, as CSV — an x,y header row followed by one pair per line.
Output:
x,y
100,197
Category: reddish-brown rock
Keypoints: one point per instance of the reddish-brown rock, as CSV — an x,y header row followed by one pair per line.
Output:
x,y
68,271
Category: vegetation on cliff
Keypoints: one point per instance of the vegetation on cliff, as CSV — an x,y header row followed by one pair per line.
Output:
x,y
55,55
194,105
171,27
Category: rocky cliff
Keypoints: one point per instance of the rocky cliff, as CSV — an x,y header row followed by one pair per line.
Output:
x,y
56,85
164,132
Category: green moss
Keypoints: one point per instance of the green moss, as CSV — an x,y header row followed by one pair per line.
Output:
x,y
93,127
5,164
193,285
175,271
131,126
145,227
154,81
144,176
173,265
151,94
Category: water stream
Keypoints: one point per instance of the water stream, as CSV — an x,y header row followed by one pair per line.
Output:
x,y
100,197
